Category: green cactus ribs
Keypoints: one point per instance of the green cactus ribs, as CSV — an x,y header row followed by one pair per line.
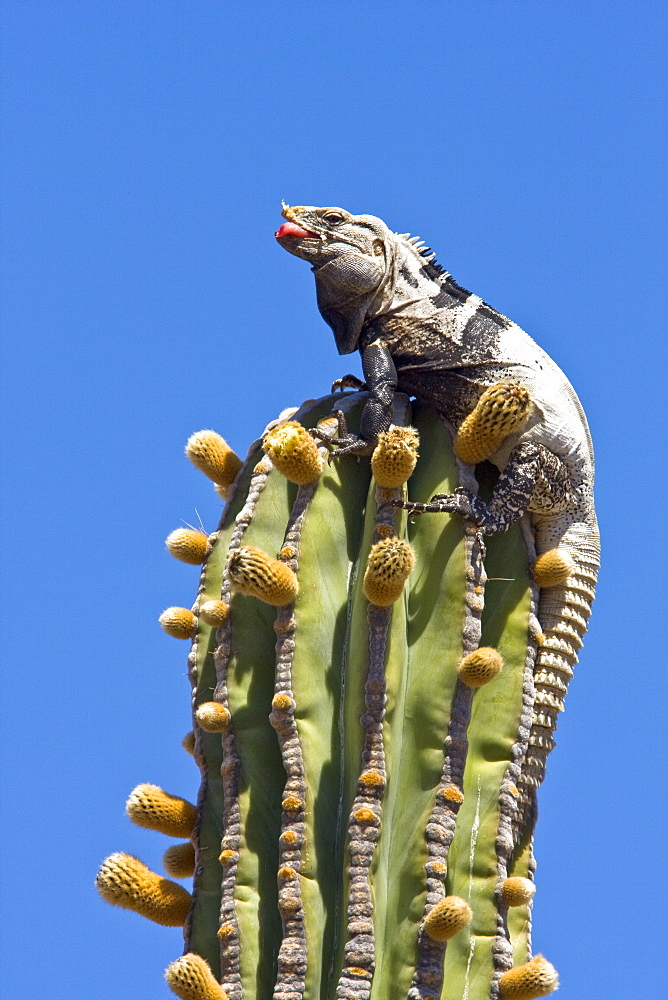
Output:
x,y
362,692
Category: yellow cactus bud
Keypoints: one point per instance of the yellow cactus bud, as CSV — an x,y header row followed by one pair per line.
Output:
x,y
124,881
178,622
179,860
517,891
225,931
501,410
452,794
537,978
211,454
553,567
447,918
187,545
214,613
212,716
394,456
149,806
391,560
372,779
227,857
282,702
480,666
191,978
289,837
188,742
293,452
365,816
255,573
286,872
291,803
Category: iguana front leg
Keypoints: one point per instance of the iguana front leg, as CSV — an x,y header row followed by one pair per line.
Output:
x,y
381,383
534,479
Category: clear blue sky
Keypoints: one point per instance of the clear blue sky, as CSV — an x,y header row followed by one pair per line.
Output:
x,y
147,147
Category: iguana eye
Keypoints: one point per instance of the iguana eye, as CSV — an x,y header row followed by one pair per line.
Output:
x,y
333,217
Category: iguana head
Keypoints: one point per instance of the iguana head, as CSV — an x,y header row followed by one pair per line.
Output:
x,y
352,257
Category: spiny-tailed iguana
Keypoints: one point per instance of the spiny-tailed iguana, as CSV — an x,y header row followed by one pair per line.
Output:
x,y
420,333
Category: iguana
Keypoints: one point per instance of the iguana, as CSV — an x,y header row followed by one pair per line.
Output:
x,y
421,333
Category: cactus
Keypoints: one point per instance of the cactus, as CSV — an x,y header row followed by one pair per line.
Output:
x,y
362,690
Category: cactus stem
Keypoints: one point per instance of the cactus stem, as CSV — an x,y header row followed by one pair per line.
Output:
x,y
290,978
210,453
366,808
441,825
231,840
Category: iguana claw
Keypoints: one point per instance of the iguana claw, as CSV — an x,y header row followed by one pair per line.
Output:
x,y
348,382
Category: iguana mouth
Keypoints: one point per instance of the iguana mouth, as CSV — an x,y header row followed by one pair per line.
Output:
x,y
290,229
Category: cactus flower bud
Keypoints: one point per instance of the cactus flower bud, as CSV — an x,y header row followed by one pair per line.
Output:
x,y
501,410
256,574
191,979
447,918
294,453
537,978
480,666
125,881
149,806
178,622
391,560
187,545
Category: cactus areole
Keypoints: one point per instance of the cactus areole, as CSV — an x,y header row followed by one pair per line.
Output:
x,y
374,695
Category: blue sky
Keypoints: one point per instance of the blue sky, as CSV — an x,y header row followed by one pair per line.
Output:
x,y
147,147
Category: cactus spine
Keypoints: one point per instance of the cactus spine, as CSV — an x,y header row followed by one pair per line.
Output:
x,y
360,744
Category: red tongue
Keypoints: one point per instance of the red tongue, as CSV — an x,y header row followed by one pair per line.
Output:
x,y
290,229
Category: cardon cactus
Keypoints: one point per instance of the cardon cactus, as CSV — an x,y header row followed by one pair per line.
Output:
x,y
363,703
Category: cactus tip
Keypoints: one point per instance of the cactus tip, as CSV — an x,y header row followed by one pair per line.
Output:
x,y
151,807
480,666
212,716
395,456
125,881
553,567
537,978
294,453
256,574
391,561
447,918
211,454
190,977
179,860
500,411
178,622
517,891
187,545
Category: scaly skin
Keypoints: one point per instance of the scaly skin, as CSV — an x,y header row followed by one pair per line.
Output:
x,y
420,333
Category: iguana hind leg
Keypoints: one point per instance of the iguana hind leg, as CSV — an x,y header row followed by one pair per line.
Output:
x,y
534,480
